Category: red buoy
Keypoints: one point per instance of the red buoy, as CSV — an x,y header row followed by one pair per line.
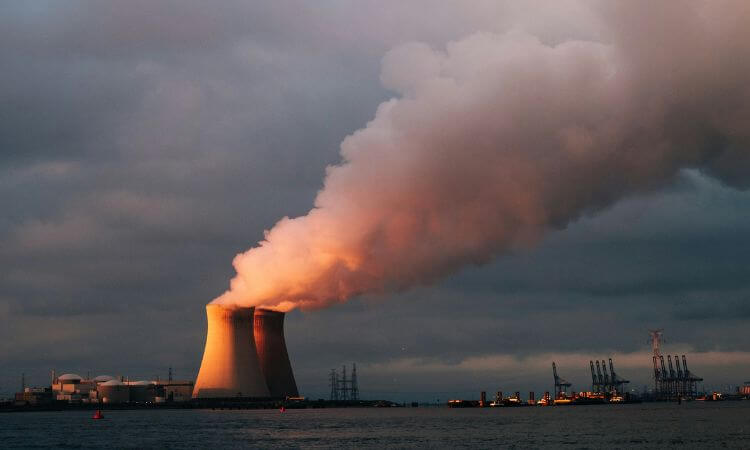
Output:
x,y
282,409
98,414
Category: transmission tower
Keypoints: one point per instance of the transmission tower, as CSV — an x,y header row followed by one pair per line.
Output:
x,y
334,385
354,387
343,388
660,374
344,385
656,338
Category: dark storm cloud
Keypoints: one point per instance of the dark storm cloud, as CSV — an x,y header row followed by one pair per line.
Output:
x,y
143,144
698,310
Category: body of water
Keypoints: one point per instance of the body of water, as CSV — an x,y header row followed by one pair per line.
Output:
x,y
647,425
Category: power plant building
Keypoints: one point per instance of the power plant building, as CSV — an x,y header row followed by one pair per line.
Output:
x,y
230,366
245,355
113,391
73,388
268,329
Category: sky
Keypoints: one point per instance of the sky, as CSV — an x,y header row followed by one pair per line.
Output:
x,y
144,144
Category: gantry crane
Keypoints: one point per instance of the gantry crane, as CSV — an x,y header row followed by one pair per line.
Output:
x,y
561,386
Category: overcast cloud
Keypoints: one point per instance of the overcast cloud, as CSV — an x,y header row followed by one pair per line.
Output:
x,y
144,144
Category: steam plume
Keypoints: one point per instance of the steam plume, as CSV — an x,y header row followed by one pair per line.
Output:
x,y
500,138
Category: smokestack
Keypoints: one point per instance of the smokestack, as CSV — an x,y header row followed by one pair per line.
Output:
x,y
230,366
272,353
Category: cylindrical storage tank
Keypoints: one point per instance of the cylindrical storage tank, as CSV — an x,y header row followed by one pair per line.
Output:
x,y
230,365
139,392
113,391
272,353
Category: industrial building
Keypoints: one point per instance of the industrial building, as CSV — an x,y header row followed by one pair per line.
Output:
x,y
245,355
268,331
33,396
230,365
73,388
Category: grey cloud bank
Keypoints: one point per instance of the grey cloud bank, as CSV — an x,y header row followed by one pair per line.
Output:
x,y
144,144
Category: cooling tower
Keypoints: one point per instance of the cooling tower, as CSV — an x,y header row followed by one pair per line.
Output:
x,y
274,359
230,366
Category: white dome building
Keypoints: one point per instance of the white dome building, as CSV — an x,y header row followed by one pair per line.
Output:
x,y
103,379
67,385
69,378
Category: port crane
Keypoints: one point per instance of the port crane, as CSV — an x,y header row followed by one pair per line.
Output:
x,y
606,382
561,386
602,387
618,384
669,383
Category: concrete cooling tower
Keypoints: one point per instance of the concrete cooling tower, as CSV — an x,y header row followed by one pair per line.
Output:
x,y
230,366
272,353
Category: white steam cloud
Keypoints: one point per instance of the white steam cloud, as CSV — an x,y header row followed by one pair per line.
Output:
x,y
497,139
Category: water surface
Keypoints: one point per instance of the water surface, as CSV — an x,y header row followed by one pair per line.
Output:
x,y
647,425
